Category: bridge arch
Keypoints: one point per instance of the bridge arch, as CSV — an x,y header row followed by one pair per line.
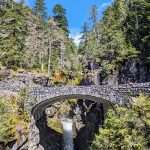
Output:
x,y
43,103
114,94
39,109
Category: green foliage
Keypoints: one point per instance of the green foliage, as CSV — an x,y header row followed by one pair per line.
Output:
x,y
13,118
84,34
122,34
40,9
126,128
115,47
26,38
55,124
94,16
138,25
60,17
12,39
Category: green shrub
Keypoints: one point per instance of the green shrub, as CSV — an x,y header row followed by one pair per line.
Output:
x,y
12,118
126,128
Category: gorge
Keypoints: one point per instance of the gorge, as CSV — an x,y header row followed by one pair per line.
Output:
x,y
58,92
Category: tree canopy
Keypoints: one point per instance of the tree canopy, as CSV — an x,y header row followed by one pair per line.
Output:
x,y
60,17
13,43
40,9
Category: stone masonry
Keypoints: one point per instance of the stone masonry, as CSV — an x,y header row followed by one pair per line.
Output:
x,y
42,97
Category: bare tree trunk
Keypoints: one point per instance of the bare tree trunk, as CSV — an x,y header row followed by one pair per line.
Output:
x,y
49,57
42,64
41,59
42,53
62,58
62,53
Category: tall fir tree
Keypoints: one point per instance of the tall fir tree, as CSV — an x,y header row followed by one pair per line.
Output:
x,y
60,17
94,22
13,44
84,33
40,9
94,16
138,25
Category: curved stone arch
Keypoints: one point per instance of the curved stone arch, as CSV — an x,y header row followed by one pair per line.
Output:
x,y
44,97
38,110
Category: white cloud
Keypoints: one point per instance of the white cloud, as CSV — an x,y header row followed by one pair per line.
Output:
x,y
75,35
26,1
77,39
105,5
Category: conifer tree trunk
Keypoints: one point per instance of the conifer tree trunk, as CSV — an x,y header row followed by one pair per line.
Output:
x,y
41,61
62,53
49,56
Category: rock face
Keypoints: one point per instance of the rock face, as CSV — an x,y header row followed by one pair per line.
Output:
x,y
134,72
13,81
89,116
33,137
128,72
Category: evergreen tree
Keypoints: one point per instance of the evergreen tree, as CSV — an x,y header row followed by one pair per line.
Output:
x,y
40,9
83,39
12,45
94,16
60,17
113,44
84,33
138,25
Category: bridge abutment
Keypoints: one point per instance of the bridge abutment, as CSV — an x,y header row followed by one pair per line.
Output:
x,y
33,137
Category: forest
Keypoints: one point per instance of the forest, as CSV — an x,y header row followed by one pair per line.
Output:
x,y
113,50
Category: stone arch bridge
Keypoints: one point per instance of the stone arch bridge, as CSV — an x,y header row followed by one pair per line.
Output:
x,y
43,97
39,98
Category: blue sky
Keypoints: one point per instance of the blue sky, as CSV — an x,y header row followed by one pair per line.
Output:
x,y
77,11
